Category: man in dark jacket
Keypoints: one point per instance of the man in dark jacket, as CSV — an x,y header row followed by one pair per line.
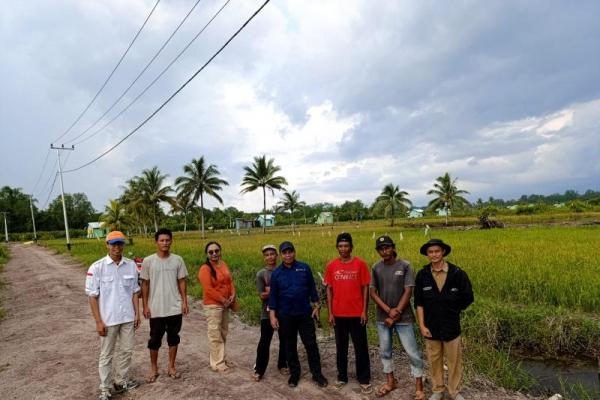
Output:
x,y
442,291
292,291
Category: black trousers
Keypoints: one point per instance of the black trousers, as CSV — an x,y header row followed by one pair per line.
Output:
x,y
264,345
304,325
160,325
346,328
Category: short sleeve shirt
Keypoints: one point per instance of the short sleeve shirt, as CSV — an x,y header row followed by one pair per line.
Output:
x,y
263,279
390,281
347,280
164,274
114,285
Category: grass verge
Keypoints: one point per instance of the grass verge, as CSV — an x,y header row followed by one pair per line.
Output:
x,y
4,255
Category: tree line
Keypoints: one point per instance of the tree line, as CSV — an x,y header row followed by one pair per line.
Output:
x,y
141,206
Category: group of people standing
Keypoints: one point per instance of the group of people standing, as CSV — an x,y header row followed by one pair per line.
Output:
x,y
291,306
290,302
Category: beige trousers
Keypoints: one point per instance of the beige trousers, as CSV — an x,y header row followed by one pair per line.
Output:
x,y
217,320
435,354
118,344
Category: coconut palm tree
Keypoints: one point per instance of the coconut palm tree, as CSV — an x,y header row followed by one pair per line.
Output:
x,y
393,199
133,200
115,216
199,179
183,205
448,195
154,191
291,202
262,175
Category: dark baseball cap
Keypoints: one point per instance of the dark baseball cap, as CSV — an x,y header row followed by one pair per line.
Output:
x,y
286,246
384,241
344,237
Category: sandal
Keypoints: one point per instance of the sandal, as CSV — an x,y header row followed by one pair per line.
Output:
x,y
174,375
384,389
366,388
152,377
256,376
419,395
339,384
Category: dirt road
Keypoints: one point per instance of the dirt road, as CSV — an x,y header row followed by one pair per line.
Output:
x,y
49,347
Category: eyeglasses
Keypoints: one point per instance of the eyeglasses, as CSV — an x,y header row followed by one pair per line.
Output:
x,y
211,252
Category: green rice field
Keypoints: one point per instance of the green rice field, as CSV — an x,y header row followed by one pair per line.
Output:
x,y
537,289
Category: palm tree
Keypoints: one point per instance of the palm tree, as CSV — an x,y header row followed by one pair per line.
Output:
x,y
183,205
262,175
393,199
448,195
291,201
154,191
115,216
138,210
200,179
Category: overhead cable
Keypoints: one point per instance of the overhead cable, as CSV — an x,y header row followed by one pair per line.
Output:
x,y
85,139
137,77
174,94
109,76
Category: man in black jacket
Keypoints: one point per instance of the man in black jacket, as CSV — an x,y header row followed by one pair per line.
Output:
x,y
442,291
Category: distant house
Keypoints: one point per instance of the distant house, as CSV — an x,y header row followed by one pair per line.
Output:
x,y
261,221
325,218
96,230
513,207
415,213
241,223
559,205
442,212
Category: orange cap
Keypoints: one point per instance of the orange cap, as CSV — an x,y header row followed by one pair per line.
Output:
x,y
115,237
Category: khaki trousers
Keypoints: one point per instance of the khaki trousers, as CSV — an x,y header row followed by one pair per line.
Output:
x,y
118,344
217,320
435,354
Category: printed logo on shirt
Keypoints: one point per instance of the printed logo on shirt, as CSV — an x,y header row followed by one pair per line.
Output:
x,y
343,275
399,273
454,289
90,274
427,288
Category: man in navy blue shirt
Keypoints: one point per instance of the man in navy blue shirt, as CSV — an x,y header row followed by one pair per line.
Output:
x,y
290,310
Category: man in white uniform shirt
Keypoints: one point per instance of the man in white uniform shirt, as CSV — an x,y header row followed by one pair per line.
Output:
x,y
112,288
165,302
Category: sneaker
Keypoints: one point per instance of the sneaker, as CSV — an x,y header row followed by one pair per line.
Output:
x,y
127,385
292,382
321,381
436,396
104,396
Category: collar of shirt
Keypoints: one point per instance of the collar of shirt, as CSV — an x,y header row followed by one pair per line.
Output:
x,y
109,261
444,269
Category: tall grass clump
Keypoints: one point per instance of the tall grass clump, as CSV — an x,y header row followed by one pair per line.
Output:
x,y
4,255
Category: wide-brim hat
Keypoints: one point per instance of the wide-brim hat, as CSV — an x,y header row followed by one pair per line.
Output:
x,y
436,242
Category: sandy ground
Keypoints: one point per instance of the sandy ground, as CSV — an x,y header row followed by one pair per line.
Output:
x,y
49,347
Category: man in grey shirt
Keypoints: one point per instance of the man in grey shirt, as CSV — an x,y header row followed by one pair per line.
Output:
x,y
391,288
164,298
263,282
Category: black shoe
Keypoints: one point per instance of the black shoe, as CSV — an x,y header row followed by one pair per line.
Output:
x,y
292,382
321,381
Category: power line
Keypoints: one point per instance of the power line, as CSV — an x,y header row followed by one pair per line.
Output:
x,y
51,190
109,76
85,139
175,93
48,180
41,172
137,77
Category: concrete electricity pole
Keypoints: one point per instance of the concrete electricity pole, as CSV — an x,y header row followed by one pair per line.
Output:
x,y
32,219
5,226
62,190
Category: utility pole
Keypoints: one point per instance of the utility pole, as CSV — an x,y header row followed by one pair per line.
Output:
x,y
5,226
62,190
32,218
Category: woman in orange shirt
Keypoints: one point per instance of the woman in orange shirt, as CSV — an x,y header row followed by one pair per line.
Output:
x,y
218,298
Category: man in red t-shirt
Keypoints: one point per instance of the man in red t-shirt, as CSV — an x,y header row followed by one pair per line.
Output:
x,y
347,279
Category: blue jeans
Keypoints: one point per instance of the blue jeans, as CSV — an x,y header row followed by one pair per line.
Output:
x,y
406,334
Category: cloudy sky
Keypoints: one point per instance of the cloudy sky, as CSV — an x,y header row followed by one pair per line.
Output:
x,y
347,96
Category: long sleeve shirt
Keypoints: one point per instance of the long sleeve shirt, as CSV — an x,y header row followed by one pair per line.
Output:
x,y
292,289
215,291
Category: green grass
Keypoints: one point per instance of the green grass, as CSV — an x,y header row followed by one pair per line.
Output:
x,y
536,288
